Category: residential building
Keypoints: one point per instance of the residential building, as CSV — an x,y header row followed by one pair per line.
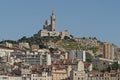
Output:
x,y
88,67
101,63
5,77
9,45
108,51
5,52
102,76
43,76
26,73
59,73
37,58
79,73
35,47
77,54
24,45
15,78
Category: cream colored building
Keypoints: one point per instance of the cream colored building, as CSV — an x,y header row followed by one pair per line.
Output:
x,y
59,73
43,76
35,47
24,45
49,29
4,77
78,73
9,45
5,52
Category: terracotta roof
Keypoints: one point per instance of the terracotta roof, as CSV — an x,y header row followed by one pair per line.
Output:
x,y
113,71
6,48
87,64
65,62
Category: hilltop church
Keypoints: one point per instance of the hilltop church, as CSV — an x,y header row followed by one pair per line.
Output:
x,y
49,29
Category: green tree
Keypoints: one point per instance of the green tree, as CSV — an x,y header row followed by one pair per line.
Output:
x,y
115,66
67,38
24,38
89,57
94,49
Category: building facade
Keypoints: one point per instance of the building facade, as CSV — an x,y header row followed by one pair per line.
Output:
x,y
108,51
38,58
49,28
43,76
77,54
78,73
59,73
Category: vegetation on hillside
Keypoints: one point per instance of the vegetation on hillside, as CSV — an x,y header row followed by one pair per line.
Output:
x,y
69,44
89,57
66,43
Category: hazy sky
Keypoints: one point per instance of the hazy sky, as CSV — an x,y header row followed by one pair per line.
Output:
x,y
83,18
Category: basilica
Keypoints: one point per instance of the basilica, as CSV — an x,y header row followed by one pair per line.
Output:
x,y
49,28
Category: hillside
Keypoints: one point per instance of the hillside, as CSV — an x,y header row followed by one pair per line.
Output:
x,y
90,45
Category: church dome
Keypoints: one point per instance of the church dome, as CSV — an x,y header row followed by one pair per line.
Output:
x,y
47,22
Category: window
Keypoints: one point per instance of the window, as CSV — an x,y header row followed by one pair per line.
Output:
x,y
75,74
82,79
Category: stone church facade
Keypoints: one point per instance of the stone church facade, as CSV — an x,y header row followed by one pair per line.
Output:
x,y
49,28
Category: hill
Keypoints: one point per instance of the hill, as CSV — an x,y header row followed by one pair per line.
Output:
x,y
90,45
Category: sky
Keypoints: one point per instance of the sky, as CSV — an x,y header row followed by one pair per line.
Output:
x,y
83,18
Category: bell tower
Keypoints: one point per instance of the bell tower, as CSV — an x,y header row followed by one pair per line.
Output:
x,y
53,21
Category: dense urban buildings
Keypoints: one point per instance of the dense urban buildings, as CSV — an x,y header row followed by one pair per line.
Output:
x,y
77,59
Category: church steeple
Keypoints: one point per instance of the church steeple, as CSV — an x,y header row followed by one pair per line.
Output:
x,y
53,21
53,12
